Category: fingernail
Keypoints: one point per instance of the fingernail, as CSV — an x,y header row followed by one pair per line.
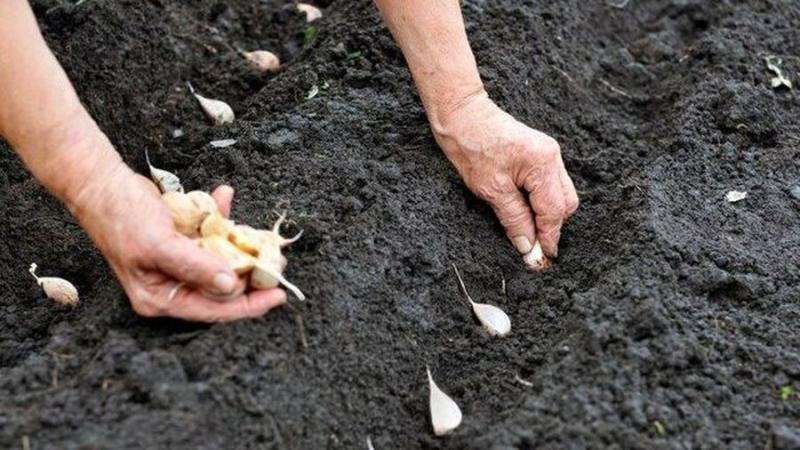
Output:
x,y
522,244
224,283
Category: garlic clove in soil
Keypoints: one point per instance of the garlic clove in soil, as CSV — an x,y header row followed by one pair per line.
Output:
x,y
312,12
535,259
492,318
217,111
166,181
57,289
445,414
263,60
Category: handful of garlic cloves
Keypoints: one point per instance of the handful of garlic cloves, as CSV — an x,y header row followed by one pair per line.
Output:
x,y
251,253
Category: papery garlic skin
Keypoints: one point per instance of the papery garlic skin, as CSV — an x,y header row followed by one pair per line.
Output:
x,y
166,181
493,319
263,60
59,290
445,414
186,214
217,111
535,259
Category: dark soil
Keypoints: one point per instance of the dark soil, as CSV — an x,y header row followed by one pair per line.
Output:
x,y
670,320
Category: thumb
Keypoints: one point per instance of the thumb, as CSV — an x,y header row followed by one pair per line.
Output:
x,y
182,259
515,215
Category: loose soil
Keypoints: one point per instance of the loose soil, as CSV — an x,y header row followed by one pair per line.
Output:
x,y
670,319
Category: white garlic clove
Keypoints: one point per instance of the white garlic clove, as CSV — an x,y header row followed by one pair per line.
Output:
x,y
263,60
445,413
186,214
239,261
216,225
268,272
217,111
204,202
492,318
312,12
735,196
166,181
59,290
535,259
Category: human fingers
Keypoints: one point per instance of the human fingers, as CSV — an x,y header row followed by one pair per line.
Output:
x,y
513,212
191,304
546,198
183,260
571,200
223,195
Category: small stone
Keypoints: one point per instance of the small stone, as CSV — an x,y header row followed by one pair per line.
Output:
x,y
177,132
222,143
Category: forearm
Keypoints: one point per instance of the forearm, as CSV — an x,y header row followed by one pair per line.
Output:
x,y
40,114
431,35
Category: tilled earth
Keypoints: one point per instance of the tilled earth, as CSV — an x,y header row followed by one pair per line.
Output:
x,y
670,320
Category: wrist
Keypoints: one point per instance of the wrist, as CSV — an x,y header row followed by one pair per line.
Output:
x,y
444,112
74,160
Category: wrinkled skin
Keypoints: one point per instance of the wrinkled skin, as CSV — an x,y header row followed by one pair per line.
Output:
x,y
517,170
164,273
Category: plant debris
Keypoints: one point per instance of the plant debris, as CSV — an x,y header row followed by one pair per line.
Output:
x,y
735,196
779,80
312,12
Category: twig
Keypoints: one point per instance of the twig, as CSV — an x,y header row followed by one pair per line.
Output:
x,y
503,284
619,5
301,329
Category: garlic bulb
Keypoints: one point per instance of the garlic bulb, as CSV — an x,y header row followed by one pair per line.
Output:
x,y
57,289
312,12
445,413
166,181
493,319
535,259
217,111
263,60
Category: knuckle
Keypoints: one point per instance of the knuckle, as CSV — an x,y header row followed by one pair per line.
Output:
x,y
492,189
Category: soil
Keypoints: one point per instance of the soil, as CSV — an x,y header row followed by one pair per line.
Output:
x,y
670,319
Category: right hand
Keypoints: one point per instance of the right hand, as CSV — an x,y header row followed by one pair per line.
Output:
x,y
164,273
517,170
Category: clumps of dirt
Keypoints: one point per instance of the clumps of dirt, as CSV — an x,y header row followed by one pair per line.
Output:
x,y
668,320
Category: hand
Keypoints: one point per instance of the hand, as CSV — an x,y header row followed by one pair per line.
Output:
x,y
163,272
514,168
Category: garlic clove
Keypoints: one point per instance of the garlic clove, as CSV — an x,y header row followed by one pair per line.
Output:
x,y
186,215
445,414
247,238
216,225
268,272
263,60
166,181
217,111
312,12
493,319
59,290
535,259
240,262
204,202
